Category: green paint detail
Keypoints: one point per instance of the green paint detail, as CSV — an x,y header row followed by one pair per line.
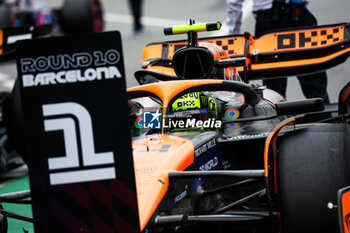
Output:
x,y
200,27
14,225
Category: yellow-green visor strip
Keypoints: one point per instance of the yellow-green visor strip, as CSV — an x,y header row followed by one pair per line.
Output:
x,y
188,101
200,27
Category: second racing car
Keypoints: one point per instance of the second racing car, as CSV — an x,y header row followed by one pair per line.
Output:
x,y
27,19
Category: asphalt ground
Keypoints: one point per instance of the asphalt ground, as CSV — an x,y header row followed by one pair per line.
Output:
x,y
160,13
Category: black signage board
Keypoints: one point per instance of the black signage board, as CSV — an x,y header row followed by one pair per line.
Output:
x,y
76,130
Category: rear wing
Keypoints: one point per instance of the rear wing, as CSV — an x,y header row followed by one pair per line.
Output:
x,y
9,36
289,52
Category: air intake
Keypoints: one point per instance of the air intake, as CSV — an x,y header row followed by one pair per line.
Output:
x,y
194,63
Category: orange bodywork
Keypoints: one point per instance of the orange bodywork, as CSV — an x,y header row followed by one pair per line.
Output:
x,y
234,46
299,39
152,166
276,43
346,93
154,51
273,134
345,200
1,40
303,62
162,69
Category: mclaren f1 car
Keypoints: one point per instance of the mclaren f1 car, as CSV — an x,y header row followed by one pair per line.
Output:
x,y
215,154
23,19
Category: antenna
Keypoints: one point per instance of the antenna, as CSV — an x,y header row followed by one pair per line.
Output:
x,y
192,36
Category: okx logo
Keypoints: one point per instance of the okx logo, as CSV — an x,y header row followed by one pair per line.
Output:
x,y
151,120
80,120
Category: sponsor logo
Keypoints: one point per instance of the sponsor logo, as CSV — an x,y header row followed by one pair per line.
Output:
x,y
180,196
232,113
210,164
191,123
209,160
247,136
310,38
205,147
139,122
81,121
151,120
65,69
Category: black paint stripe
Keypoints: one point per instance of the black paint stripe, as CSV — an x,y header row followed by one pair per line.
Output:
x,y
298,55
72,205
165,50
276,72
127,213
102,211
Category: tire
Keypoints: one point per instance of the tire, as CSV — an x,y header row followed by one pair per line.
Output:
x,y
313,164
82,16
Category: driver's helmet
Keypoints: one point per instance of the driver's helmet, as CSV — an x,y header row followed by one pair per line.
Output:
x,y
198,106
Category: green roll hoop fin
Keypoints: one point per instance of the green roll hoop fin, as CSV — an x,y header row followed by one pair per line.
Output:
x,y
200,27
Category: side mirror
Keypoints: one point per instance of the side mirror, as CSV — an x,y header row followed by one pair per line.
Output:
x,y
299,106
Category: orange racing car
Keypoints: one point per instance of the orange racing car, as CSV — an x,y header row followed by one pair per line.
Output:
x,y
212,153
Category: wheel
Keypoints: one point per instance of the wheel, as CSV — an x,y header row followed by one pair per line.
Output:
x,y
82,16
313,164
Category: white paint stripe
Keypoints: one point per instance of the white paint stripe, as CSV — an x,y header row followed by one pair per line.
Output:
x,y
148,21
5,81
82,176
14,39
